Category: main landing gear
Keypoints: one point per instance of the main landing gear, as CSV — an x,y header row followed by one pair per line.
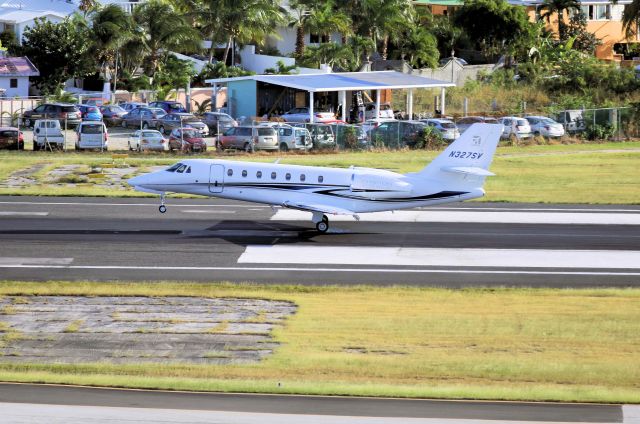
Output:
x,y
162,207
321,221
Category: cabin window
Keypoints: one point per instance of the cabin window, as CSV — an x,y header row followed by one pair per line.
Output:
x,y
188,171
244,172
302,177
259,174
320,179
230,172
287,177
181,169
273,175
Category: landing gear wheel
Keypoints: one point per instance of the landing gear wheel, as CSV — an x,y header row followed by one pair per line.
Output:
x,y
322,226
162,208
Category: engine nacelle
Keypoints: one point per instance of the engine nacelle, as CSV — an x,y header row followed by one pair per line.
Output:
x,y
379,186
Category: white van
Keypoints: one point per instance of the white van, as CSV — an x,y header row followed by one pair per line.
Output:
x,y
92,135
291,138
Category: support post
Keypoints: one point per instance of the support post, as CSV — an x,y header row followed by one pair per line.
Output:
x,y
377,115
343,101
442,99
311,107
410,103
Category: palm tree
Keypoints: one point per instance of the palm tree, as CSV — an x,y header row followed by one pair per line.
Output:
x,y
386,19
111,28
164,30
301,11
630,18
558,7
325,19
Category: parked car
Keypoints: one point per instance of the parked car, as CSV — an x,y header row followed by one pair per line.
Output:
x,y
170,121
218,121
544,126
47,134
397,133
301,114
67,114
370,124
186,140
248,138
445,127
95,101
572,121
169,106
370,111
515,126
11,138
290,138
143,117
92,135
467,121
321,134
90,113
129,106
146,140
112,114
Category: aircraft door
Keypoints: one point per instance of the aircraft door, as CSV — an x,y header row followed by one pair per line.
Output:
x,y
216,178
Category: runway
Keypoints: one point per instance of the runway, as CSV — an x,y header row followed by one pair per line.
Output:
x,y
115,405
212,240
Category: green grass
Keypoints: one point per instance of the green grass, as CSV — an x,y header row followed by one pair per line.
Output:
x,y
524,344
598,173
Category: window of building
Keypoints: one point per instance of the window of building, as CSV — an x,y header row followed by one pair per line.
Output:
x,y
603,12
287,176
244,172
320,179
273,175
259,174
302,177
230,172
317,38
13,83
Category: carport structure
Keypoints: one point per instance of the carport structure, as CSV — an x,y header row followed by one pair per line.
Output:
x,y
243,93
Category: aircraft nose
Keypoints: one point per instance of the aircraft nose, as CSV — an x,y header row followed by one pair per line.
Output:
x,y
136,181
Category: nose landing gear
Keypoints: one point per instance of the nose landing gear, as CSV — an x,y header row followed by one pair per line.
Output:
x,y
321,221
162,207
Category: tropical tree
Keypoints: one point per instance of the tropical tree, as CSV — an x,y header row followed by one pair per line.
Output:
x,y
419,47
164,30
361,48
326,18
558,7
332,54
111,28
630,18
386,19
60,51
300,14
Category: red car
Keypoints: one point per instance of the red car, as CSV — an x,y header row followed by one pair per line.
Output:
x,y
186,140
11,138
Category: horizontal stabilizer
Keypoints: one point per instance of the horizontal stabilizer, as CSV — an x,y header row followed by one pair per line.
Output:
x,y
470,170
317,208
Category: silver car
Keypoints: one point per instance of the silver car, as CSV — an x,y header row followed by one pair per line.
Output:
x,y
445,127
249,138
547,127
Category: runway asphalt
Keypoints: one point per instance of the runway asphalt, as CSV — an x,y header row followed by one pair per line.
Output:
x,y
211,240
394,410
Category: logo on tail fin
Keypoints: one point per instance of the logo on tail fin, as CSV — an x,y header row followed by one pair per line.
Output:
x,y
477,140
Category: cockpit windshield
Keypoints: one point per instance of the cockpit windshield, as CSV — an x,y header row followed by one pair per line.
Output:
x,y
175,167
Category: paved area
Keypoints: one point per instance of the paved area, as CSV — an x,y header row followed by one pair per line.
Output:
x,y
211,240
76,329
26,403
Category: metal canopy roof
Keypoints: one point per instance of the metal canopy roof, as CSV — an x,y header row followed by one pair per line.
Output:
x,y
347,81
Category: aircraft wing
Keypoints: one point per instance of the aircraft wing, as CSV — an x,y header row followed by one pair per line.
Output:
x,y
310,207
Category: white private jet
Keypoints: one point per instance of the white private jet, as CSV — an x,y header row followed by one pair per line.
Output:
x,y
455,175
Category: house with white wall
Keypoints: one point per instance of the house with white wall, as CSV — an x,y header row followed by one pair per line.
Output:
x,y
14,76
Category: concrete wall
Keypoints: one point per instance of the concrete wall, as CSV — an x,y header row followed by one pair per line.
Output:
x,y
242,98
458,75
11,107
21,91
259,62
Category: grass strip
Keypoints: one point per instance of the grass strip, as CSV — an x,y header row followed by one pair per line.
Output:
x,y
505,343
577,173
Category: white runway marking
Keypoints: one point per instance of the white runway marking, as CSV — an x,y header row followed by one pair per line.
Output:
x,y
205,211
9,262
6,213
375,270
130,204
54,414
476,216
494,258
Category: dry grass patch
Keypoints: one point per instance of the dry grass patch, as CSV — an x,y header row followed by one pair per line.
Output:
x,y
565,345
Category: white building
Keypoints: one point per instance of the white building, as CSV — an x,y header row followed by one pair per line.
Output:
x,y
14,76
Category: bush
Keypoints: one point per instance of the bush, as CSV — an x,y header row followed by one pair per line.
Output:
x,y
600,132
430,139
